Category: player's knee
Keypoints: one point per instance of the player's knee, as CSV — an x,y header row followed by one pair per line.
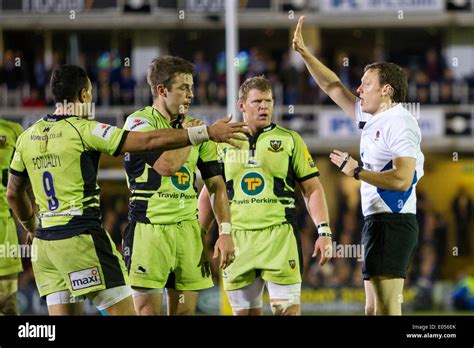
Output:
x,y
285,308
114,301
147,301
9,306
284,299
369,309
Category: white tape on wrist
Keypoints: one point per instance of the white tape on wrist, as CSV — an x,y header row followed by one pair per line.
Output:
x,y
198,134
324,231
226,228
31,224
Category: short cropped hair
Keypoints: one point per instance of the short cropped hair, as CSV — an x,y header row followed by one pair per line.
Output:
x,y
67,82
394,75
163,70
258,82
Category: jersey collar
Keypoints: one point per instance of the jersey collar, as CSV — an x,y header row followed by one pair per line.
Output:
x,y
253,140
177,123
55,118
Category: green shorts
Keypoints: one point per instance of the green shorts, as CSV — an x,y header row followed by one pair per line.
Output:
x,y
171,256
81,264
272,253
10,258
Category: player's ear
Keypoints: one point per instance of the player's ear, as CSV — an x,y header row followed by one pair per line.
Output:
x,y
387,90
240,105
161,91
83,95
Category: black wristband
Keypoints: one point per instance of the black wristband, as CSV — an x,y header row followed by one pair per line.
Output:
x,y
357,171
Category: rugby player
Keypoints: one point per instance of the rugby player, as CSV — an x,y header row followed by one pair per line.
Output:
x,y
59,157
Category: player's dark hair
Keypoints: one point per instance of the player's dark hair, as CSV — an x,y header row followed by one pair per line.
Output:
x,y
67,82
257,82
393,75
163,70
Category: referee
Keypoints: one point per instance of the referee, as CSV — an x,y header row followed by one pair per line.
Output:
x,y
392,166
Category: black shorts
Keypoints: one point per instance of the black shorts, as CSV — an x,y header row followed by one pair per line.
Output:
x,y
389,242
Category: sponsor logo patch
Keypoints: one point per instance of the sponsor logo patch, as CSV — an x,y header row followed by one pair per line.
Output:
x,y
309,159
136,123
103,131
85,279
252,183
181,179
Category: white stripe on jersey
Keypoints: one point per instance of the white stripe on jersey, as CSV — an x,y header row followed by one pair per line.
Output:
x,y
391,134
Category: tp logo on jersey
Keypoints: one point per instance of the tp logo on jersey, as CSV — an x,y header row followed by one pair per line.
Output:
x,y
252,184
181,179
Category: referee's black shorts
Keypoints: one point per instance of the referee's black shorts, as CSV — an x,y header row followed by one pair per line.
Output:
x,y
389,241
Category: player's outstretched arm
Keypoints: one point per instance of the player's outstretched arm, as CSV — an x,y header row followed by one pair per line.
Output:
x,y
326,79
315,199
220,206
222,131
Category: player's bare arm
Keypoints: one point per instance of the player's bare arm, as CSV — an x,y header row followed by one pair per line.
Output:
x,y
21,204
315,200
206,215
326,79
217,194
399,178
222,131
171,161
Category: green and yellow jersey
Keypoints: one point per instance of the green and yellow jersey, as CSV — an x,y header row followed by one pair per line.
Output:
x,y
261,177
9,133
163,200
60,156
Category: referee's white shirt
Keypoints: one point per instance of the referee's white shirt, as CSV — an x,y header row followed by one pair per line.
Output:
x,y
391,134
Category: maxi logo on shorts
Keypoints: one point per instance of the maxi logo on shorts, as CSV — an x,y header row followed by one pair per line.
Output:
x,y
252,184
85,278
181,179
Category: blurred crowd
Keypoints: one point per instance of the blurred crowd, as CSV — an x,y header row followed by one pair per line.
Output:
x,y
24,83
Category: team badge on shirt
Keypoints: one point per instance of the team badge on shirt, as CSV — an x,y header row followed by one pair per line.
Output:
x,y
377,135
292,264
275,146
3,140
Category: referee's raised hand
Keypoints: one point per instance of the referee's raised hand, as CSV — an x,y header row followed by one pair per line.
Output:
x,y
298,43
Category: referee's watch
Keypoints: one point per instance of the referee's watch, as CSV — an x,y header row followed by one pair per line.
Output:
x,y
357,171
